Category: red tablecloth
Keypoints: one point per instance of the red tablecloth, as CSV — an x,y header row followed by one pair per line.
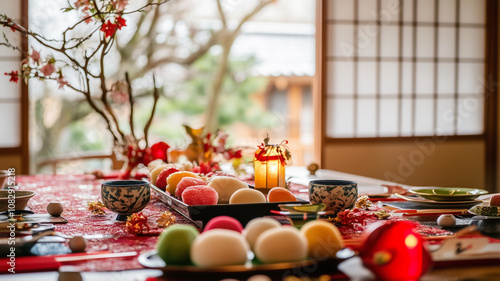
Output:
x,y
75,191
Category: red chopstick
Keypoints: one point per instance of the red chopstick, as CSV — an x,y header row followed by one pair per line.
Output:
x,y
47,263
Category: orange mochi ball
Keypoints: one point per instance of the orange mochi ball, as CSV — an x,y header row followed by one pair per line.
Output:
x,y
175,178
281,244
323,238
280,194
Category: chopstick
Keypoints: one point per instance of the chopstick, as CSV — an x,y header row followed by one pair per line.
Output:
x,y
48,263
432,212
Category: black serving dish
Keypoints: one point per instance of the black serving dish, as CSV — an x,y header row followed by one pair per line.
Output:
x,y
201,214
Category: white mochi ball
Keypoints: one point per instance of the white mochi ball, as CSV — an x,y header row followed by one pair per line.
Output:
x,y
226,186
218,247
282,244
256,227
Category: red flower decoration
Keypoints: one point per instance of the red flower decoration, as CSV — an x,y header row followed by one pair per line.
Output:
x,y
109,28
120,22
14,76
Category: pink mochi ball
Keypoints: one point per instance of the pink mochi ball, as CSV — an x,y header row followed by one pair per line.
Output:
x,y
224,222
186,182
200,195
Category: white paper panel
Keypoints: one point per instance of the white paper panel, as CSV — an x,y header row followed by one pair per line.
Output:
x,y
446,42
406,78
14,38
471,42
11,124
407,10
425,10
340,122
472,11
11,8
388,117
446,78
366,118
367,40
367,10
340,41
471,78
424,78
341,9
9,90
407,41
424,112
340,77
366,78
406,117
389,78
390,11
425,42
470,115
389,41
446,115
447,10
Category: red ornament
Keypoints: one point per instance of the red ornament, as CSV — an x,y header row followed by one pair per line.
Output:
x,y
159,150
393,250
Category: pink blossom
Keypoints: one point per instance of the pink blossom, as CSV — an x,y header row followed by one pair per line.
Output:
x,y
62,82
35,56
80,3
48,69
119,5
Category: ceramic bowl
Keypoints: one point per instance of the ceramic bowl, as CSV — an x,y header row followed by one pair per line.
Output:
x,y
21,199
4,174
336,195
125,197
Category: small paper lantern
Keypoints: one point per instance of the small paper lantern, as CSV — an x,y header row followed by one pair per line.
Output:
x,y
269,165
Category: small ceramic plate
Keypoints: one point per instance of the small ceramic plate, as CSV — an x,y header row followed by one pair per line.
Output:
x,y
441,204
485,210
449,193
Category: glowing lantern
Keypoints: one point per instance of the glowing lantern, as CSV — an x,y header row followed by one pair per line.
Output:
x,y
269,165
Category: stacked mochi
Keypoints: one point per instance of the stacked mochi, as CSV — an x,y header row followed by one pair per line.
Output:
x,y
194,189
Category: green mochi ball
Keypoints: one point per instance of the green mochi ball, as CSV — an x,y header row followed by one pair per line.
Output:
x,y
174,244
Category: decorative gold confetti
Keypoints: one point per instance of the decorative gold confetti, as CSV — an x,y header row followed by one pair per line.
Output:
x,y
166,219
363,202
96,207
137,224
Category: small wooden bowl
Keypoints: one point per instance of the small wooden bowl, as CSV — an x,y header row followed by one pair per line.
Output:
x,y
21,199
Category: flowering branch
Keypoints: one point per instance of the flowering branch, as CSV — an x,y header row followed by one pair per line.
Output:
x,y
107,18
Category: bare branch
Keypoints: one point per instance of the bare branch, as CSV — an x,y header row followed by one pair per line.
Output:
x,y
156,96
221,14
131,101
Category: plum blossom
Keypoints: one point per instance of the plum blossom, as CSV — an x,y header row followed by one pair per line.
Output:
x,y
62,82
14,76
120,5
48,69
35,56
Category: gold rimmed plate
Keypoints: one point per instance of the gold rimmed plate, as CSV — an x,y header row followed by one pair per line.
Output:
x,y
449,193
252,267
